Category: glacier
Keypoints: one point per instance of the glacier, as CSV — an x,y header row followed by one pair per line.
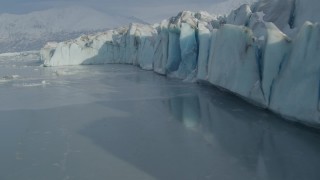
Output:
x,y
266,52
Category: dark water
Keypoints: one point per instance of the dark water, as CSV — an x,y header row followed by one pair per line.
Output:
x,y
119,122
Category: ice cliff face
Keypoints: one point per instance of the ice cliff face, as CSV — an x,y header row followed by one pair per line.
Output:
x,y
267,53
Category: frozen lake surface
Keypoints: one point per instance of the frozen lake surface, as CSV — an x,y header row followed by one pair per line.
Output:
x,y
118,122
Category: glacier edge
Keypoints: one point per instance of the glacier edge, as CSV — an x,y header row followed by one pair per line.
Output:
x,y
248,53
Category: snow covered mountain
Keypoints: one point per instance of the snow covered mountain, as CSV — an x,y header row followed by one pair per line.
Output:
x,y
31,31
267,53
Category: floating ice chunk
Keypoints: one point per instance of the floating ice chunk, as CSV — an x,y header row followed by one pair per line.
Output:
x,y
38,84
8,78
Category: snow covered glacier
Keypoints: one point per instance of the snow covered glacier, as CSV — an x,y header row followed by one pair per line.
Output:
x,y
267,53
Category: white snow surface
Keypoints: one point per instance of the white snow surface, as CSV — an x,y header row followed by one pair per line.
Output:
x,y
31,31
263,54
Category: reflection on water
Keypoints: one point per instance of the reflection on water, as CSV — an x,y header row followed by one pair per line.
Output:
x,y
223,137
118,122
260,142
186,110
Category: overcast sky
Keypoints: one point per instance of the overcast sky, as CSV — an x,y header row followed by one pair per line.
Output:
x,y
150,10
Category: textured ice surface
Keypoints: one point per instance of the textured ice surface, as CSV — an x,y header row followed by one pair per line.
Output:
x,y
261,52
240,16
277,11
204,38
276,52
234,65
289,15
296,90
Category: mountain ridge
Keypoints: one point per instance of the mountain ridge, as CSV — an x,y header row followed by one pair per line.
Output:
x,y
23,32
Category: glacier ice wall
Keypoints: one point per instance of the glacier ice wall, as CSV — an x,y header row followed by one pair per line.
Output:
x,y
234,65
261,52
296,89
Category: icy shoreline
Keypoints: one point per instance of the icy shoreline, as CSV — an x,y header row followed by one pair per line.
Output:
x,y
263,53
